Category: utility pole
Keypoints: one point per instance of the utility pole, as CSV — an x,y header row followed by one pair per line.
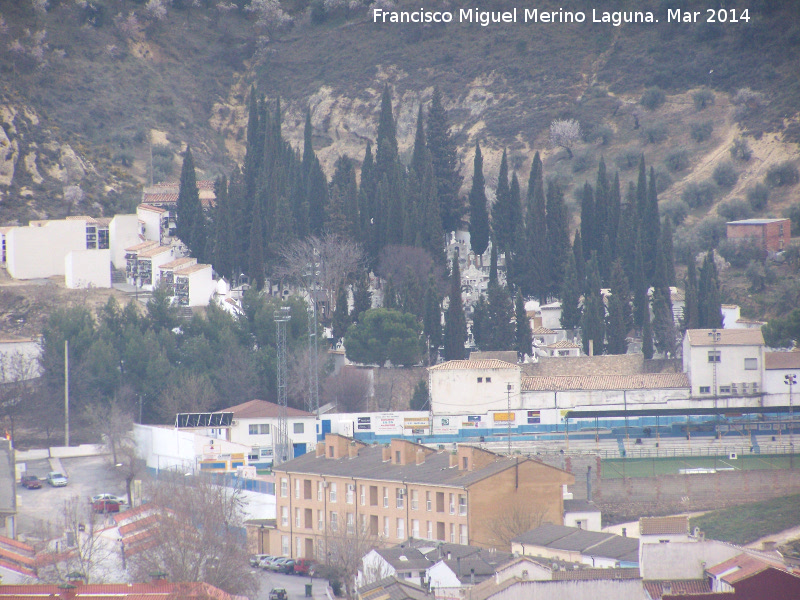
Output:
x,y
66,392
715,337
509,387
791,381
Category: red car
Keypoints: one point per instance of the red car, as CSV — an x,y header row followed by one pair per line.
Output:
x,y
31,482
105,506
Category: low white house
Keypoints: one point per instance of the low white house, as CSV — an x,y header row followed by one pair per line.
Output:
x,y
194,285
782,376
593,548
724,362
88,269
582,514
663,530
479,386
41,248
123,232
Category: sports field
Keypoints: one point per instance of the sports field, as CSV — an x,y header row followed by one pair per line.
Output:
x,y
650,467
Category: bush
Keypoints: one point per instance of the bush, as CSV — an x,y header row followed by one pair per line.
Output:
x,y
757,196
582,162
793,213
655,133
740,252
747,101
628,159
663,180
710,232
700,132
124,157
725,175
604,135
703,98
677,160
701,194
676,210
735,210
782,174
652,98
740,150
760,275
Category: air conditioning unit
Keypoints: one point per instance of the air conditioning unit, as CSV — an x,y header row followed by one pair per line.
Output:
x,y
734,390
755,388
732,456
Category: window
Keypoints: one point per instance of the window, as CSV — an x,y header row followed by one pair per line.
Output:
x,y
462,504
373,495
452,533
351,492
386,527
415,528
363,496
480,379
306,489
299,427
252,429
452,504
400,497
462,534
330,451
488,380
285,516
401,529
750,364
297,517
724,389
298,547
397,460
414,500
296,489
285,545
428,503
320,520
284,487
319,491
465,463
350,523
385,497
714,356
266,452
334,522
263,429
430,530
333,492
705,389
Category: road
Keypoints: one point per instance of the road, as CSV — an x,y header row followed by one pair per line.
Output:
x,y
294,585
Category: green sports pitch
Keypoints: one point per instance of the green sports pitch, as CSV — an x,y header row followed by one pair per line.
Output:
x,y
615,468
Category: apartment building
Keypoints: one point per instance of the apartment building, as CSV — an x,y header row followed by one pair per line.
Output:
x,y
392,492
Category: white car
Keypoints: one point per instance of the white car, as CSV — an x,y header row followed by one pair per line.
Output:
x,y
56,479
111,497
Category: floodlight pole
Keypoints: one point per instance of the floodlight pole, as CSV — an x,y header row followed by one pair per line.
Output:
x,y
790,380
509,387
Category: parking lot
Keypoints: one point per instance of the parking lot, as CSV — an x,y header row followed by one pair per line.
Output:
x,y
294,585
87,476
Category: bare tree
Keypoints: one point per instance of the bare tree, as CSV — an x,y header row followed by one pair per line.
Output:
x,y
349,389
18,382
344,546
128,464
321,263
299,368
113,420
189,393
565,133
270,16
519,517
199,536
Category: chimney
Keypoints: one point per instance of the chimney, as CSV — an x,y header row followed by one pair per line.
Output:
x,y
666,588
624,532
768,545
472,576
352,450
591,347
458,565
386,454
453,460
320,449
589,484
420,456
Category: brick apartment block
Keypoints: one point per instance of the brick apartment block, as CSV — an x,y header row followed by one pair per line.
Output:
x,y
772,235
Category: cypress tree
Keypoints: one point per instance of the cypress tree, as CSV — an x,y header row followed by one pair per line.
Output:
x,y
524,336
432,320
668,252
641,190
516,224
647,337
571,297
691,308
587,221
389,294
503,225
578,256
628,234
709,303
455,327
619,312
445,164
341,318
614,216
255,265
500,306
481,328
478,214
593,321
493,280
189,216
418,157
253,157
224,234
394,218
362,297
366,198
640,301
308,147
602,193
429,225
537,281
316,197
557,236
386,144
663,326
651,224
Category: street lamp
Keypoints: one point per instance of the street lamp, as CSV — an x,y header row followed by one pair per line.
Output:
x,y
790,380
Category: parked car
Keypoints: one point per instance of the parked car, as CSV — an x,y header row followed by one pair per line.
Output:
x,y
277,564
106,506
267,561
255,559
56,479
278,594
304,566
111,497
31,482
286,566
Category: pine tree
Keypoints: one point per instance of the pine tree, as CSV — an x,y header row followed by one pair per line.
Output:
x,y
709,304
455,327
362,297
619,312
478,213
445,165
537,281
647,337
571,297
503,223
341,318
594,314
691,308
432,320
587,221
189,216
524,336
557,236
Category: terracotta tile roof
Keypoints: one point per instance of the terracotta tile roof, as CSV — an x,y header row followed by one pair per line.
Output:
x,y
6,229
595,574
162,198
189,269
737,568
155,209
154,251
781,360
90,220
664,525
258,409
393,588
681,586
727,337
563,344
141,246
606,382
509,356
104,221
120,591
457,365
619,364
179,262
542,331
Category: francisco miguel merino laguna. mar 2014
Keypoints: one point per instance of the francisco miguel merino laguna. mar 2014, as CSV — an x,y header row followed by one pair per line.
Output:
x,y
534,15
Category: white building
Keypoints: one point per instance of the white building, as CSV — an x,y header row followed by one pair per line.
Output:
x,y
583,514
154,222
254,424
551,315
563,348
123,232
88,269
143,262
732,318
194,285
474,386
724,362
592,548
40,249
779,367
